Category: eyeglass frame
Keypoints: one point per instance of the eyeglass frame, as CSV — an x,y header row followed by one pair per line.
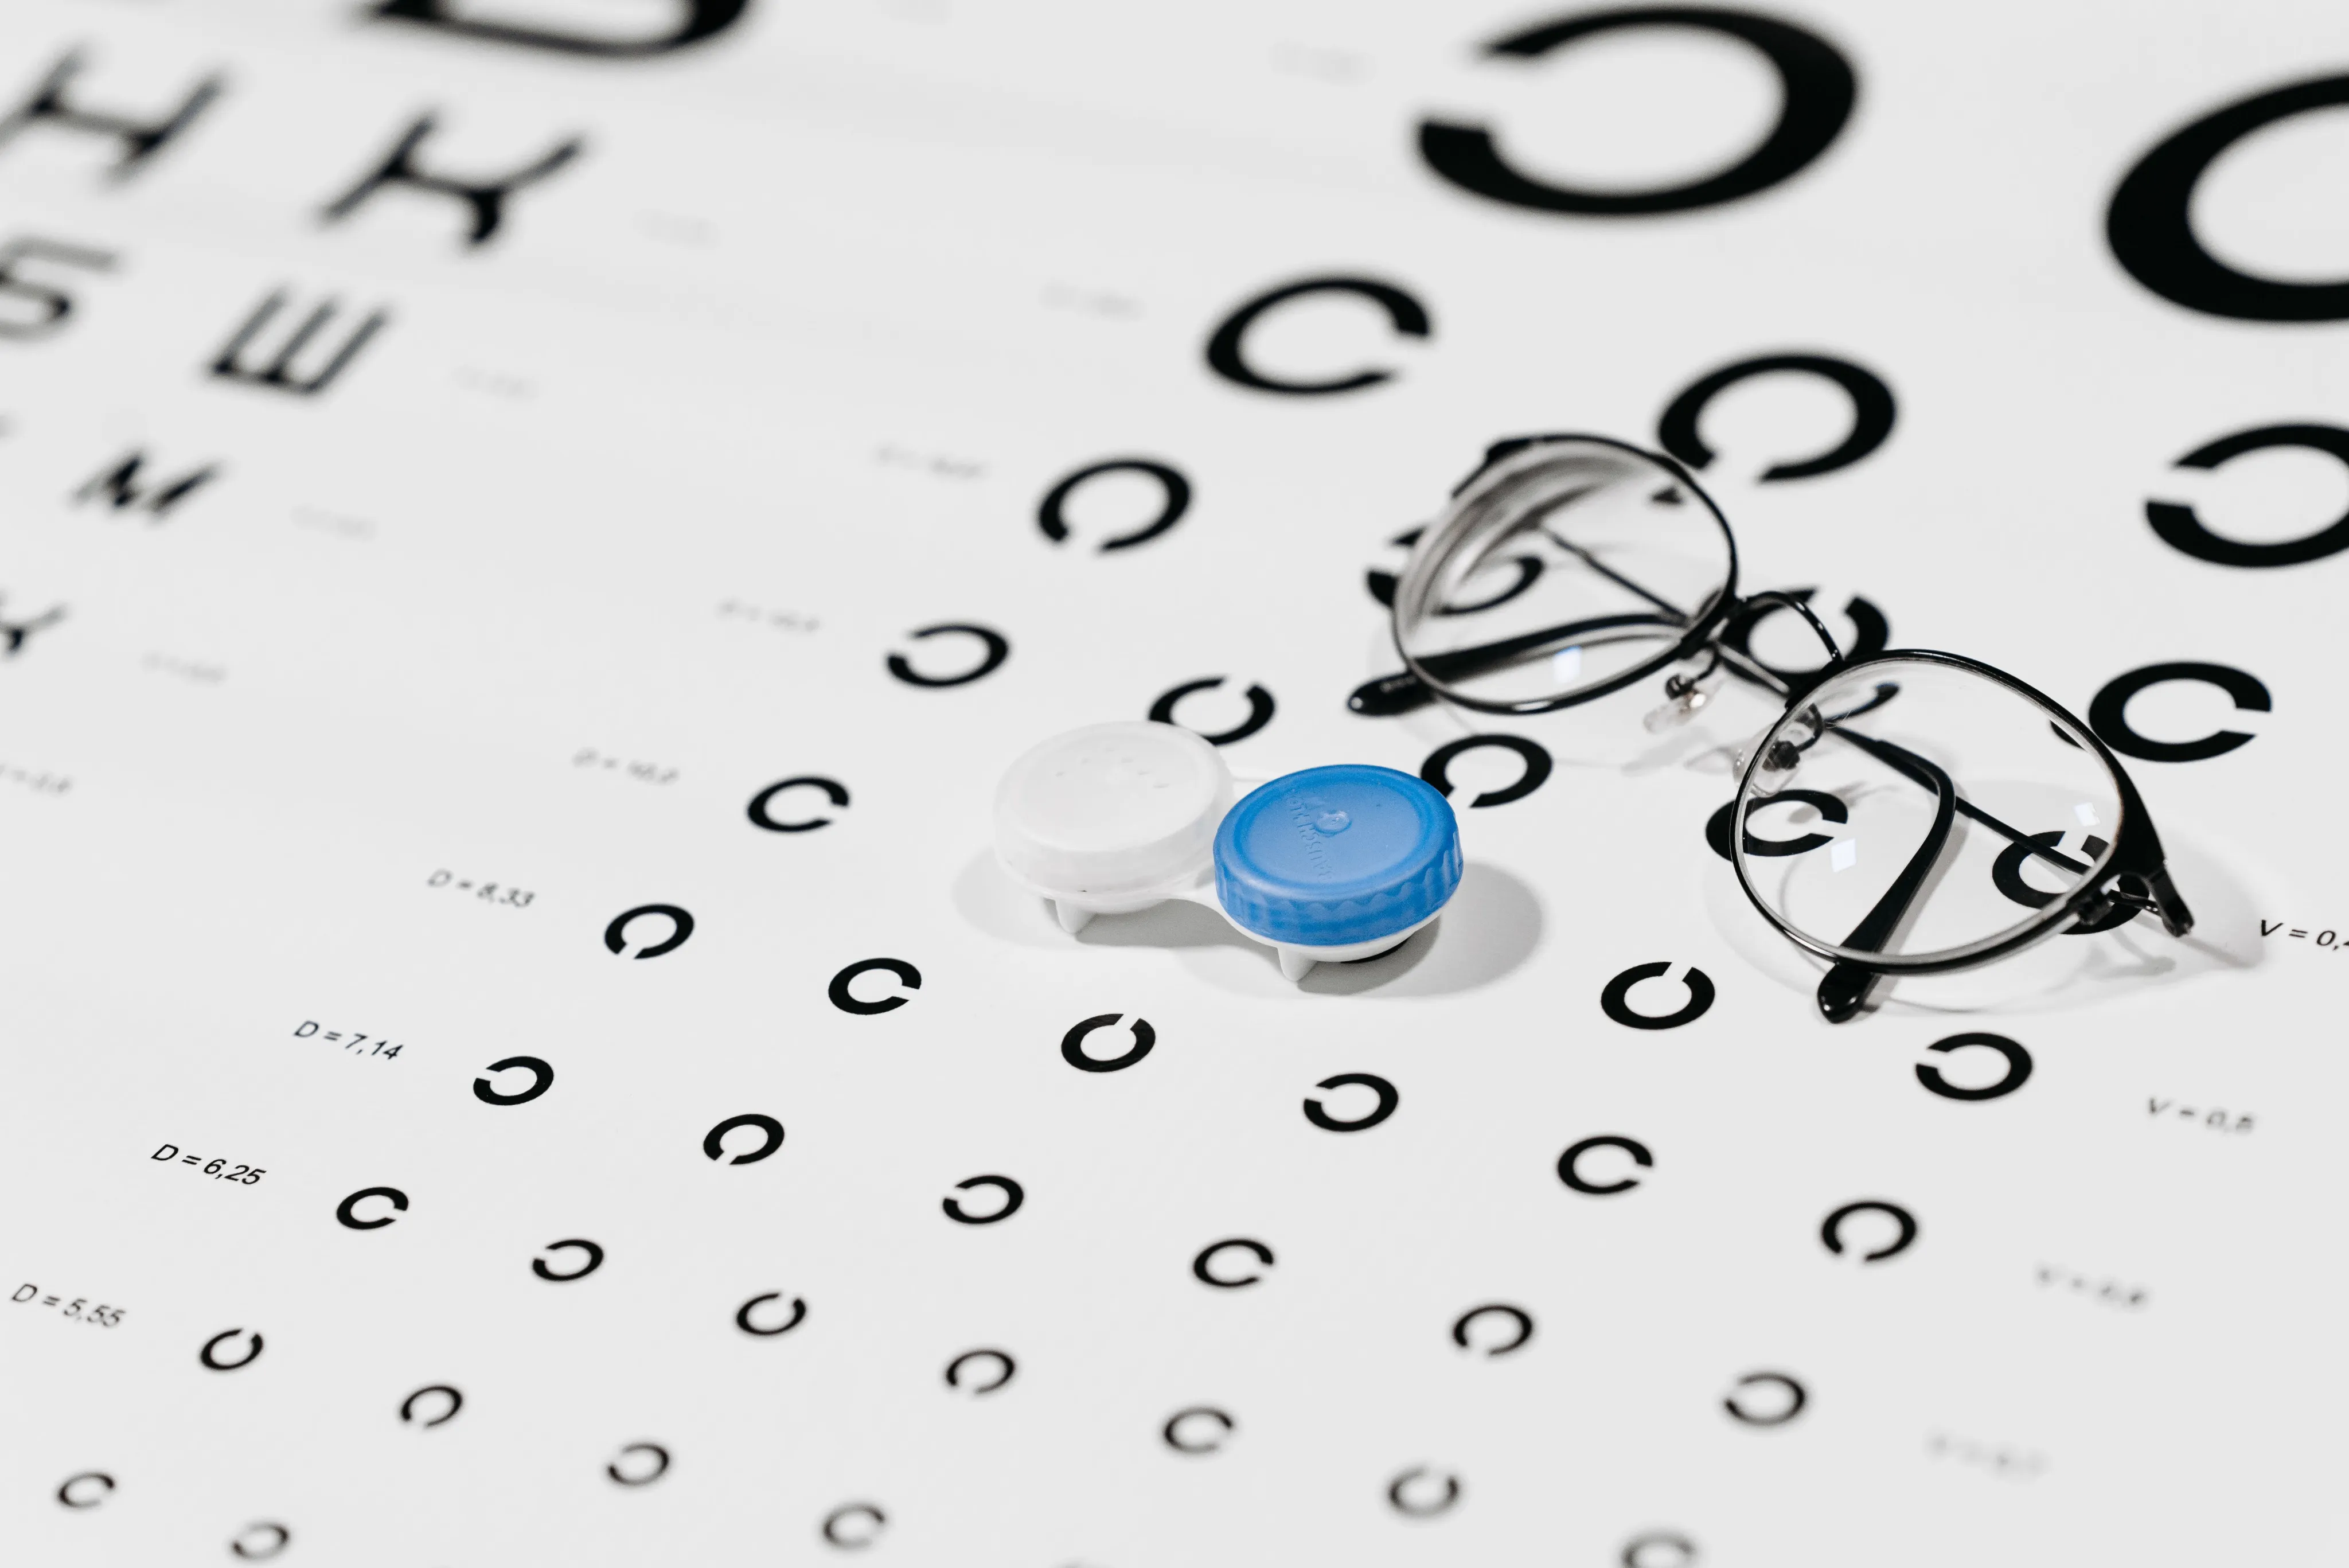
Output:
x,y
2133,872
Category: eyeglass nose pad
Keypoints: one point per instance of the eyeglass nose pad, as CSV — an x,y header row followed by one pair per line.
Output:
x,y
1683,698
1778,764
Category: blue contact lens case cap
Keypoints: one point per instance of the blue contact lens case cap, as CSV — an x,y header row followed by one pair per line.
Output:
x,y
1337,855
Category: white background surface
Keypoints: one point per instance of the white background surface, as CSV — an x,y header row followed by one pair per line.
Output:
x,y
824,309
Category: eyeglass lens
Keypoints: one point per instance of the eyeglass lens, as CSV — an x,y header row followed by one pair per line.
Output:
x,y
1557,571
1916,811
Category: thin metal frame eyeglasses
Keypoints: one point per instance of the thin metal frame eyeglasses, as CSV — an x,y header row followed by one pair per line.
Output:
x,y
2132,876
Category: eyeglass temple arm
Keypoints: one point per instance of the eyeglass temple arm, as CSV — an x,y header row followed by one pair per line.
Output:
x,y
1403,691
2141,873
2137,858
1844,990
2161,896
1916,770
1680,616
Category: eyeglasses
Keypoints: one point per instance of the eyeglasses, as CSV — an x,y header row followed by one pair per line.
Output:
x,y
1909,812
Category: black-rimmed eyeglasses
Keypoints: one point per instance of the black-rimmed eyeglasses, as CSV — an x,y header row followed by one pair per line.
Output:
x,y
1950,813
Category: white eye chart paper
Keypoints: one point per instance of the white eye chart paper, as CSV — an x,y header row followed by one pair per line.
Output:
x,y
532,529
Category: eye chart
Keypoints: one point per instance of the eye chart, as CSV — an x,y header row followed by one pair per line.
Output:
x,y
532,529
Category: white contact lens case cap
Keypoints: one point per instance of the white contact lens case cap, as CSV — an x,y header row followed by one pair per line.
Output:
x,y
1112,813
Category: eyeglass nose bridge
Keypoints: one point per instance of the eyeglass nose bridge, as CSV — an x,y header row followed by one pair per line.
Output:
x,y
1739,623
1684,694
